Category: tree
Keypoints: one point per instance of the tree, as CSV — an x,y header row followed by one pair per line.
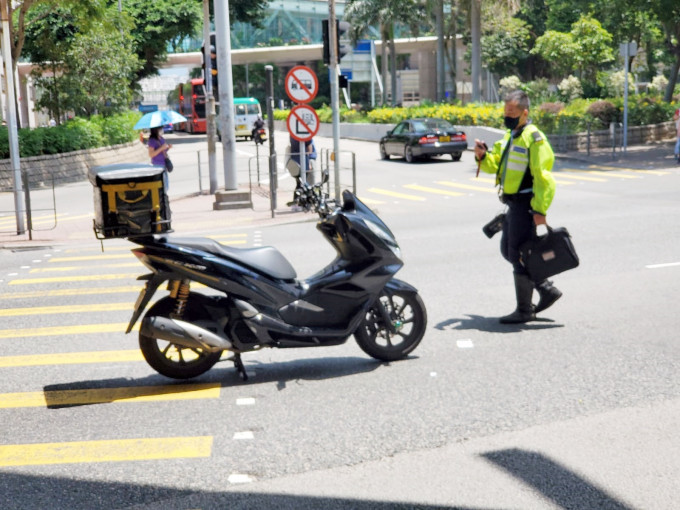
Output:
x,y
585,48
101,65
49,33
505,46
559,49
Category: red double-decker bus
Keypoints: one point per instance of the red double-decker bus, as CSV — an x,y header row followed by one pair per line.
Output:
x,y
192,104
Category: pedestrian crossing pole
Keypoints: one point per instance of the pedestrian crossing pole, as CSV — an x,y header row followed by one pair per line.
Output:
x,y
335,101
226,91
19,206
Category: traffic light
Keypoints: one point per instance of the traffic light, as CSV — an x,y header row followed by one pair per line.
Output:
x,y
213,65
341,49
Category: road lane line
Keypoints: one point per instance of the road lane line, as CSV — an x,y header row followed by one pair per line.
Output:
x,y
68,309
109,395
66,269
660,266
117,450
81,258
466,186
436,191
396,194
635,170
79,278
563,174
70,292
81,329
71,358
610,174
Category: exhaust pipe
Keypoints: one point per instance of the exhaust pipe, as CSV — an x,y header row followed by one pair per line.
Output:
x,y
183,333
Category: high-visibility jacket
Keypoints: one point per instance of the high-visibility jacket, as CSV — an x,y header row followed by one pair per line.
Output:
x,y
526,168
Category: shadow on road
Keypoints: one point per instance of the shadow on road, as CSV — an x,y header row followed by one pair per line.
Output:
x,y
557,483
491,324
316,369
27,492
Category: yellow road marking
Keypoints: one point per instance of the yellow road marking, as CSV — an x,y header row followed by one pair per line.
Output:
x,y
436,191
370,201
118,450
396,194
81,258
490,180
577,177
71,358
71,292
79,278
607,174
65,269
634,170
81,329
46,310
466,186
99,249
109,395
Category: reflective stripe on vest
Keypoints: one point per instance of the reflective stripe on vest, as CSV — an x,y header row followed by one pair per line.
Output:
x,y
517,163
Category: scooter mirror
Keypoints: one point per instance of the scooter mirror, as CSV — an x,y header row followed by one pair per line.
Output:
x,y
324,178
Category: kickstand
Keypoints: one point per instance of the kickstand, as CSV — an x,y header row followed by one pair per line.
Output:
x,y
238,364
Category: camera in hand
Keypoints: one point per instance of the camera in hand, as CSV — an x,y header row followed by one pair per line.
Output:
x,y
494,226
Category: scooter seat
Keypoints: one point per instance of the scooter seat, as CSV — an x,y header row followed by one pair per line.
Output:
x,y
267,259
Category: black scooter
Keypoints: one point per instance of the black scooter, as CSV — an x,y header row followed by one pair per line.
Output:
x,y
261,303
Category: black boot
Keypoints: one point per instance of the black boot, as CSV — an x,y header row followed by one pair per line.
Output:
x,y
547,295
524,288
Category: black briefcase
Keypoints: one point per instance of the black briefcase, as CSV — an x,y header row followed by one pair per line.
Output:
x,y
549,254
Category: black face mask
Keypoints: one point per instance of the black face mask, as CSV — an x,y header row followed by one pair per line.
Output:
x,y
511,122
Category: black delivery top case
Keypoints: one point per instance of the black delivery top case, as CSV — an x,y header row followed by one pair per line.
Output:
x,y
129,200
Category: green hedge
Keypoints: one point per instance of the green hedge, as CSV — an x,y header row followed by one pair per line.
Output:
x,y
74,135
553,119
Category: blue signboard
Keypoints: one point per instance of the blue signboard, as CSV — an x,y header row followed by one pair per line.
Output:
x,y
146,108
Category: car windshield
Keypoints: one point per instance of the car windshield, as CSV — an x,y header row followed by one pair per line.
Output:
x,y
441,125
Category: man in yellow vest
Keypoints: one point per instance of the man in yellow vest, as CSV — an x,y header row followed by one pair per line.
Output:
x,y
522,162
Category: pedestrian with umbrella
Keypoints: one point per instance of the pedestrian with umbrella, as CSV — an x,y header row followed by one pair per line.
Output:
x,y
157,146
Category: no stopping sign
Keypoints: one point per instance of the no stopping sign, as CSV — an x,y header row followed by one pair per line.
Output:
x,y
303,123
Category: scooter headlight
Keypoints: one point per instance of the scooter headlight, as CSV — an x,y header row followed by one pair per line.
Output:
x,y
389,240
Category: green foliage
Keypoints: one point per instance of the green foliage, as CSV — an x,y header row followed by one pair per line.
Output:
x,y
603,112
76,134
506,45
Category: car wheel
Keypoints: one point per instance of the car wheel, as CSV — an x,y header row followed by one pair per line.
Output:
x,y
383,152
456,156
408,154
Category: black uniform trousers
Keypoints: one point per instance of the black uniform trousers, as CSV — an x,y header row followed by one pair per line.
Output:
x,y
518,228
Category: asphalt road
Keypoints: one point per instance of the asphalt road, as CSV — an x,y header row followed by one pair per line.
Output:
x,y
576,410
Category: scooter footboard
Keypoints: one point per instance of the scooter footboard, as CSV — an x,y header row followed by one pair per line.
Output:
x,y
395,285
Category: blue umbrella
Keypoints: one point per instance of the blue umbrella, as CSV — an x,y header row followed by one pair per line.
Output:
x,y
159,118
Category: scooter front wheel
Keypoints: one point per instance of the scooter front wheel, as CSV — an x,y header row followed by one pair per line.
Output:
x,y
172,360
393,327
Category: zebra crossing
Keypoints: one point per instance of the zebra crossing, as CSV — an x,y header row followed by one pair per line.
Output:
x,y
423,193
59,301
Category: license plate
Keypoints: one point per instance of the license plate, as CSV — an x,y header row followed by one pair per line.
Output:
x,y
241,127
445,138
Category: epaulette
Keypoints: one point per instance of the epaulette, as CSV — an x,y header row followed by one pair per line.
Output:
x,y
538,137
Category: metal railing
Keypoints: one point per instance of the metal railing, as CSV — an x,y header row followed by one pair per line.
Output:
x,y
37,199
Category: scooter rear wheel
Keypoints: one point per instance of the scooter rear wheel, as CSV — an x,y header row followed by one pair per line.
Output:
x,y
394,341
172,360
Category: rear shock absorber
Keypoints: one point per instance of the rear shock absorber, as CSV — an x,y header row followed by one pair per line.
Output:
x,y
180,292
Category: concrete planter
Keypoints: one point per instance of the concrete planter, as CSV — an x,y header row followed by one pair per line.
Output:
x,y
72,166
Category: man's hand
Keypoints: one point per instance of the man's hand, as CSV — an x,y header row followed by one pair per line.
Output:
x,y
480,149
539,219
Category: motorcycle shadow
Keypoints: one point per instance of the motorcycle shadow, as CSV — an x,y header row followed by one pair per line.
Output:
x,y
491,324
106,391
